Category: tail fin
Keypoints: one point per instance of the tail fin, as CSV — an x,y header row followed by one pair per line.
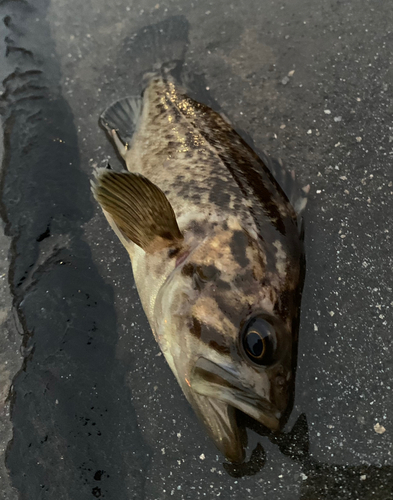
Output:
x,y
158,48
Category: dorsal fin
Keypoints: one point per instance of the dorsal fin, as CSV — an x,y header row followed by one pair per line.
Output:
x,y
139,209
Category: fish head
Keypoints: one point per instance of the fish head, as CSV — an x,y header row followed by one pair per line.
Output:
x,y
217,324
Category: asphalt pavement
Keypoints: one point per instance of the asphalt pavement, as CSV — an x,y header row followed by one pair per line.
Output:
x,y
89,408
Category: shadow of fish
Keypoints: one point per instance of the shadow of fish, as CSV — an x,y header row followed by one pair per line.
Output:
x,y
319,480
217,256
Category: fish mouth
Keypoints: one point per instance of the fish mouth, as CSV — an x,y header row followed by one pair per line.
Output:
x,y
218,394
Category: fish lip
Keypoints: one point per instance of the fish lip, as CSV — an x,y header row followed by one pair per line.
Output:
x,y
214,381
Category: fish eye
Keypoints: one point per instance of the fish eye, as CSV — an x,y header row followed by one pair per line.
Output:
x,y
259,341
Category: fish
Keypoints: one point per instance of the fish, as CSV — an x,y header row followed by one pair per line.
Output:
x,y
217,255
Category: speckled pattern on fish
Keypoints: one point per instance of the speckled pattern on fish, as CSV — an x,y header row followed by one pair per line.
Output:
x,y
239,257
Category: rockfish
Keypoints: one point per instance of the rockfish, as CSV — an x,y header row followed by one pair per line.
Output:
x,y
217,255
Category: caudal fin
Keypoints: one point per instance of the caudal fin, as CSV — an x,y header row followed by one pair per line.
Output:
x,y
156,48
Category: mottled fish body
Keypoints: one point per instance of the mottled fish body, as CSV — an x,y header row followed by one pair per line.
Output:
x,y
216,253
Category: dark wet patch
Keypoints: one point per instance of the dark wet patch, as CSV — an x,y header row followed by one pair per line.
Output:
x,y
71,412
98,475
44,235
96,492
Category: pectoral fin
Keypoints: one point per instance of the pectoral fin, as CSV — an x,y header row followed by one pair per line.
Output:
x,y
120,120
138,208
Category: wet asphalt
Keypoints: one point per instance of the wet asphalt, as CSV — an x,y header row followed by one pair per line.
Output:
x,y
93,409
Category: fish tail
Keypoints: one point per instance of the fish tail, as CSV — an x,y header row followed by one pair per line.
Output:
x,y
159,49
156,50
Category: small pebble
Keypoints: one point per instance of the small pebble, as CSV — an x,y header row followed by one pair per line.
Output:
x,y
327,111
379,429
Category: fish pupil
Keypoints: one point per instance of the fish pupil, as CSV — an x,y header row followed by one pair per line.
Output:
x,y
259,341
255,344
